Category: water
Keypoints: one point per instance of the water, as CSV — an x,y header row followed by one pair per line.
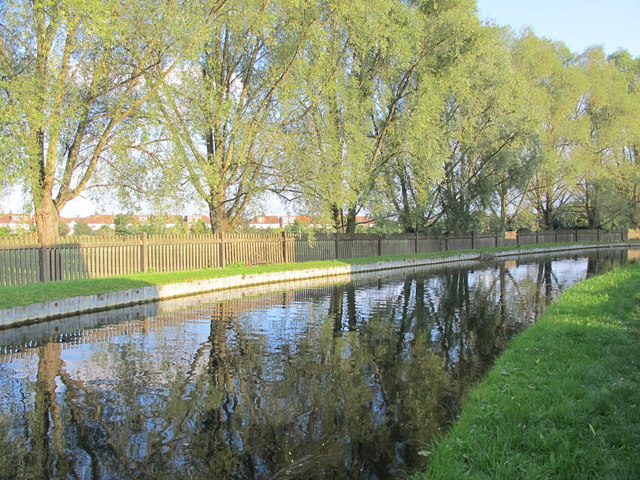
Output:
x,y
347,381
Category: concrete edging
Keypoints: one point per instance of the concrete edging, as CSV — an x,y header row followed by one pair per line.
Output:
x,y
15,316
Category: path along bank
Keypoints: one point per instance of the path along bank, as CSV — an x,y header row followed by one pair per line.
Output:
x,y
563,401
148,291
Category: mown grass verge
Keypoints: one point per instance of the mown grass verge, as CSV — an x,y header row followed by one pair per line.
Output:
x,y
563,401
28,294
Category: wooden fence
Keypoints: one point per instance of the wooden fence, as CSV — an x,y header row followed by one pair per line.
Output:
x,y
23,261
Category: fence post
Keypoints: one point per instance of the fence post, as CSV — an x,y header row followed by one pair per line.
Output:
x,y
223,253
45,264
446,243
575,235
598,234
497,238
416,242
379,245
473,241
518,238
337,246
284,247
537,237
143,252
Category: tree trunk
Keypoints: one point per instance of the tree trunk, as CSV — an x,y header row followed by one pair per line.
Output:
x,y
591,209
219,220
503,209
405,215
336,213
351,221
46,217
46,211
634,202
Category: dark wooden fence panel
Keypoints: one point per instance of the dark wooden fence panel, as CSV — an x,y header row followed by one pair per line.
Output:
x,y
431,244
565,236
356,246
313,248
484,241
398,245
19,265
613,236
527,238
587,236
462,242
505,241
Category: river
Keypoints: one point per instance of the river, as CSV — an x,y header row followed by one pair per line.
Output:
x,y
353,380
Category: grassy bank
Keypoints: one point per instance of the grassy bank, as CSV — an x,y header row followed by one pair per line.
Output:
x,y
28,294
563,402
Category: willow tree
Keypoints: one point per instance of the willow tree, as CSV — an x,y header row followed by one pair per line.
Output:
x,y
625,178
485,121
557,88
226,110
382,52
73,75
607,166
335,138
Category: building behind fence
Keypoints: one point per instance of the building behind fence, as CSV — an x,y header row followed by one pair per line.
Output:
x,y
23,261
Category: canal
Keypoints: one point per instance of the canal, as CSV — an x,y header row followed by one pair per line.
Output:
x,y
353,380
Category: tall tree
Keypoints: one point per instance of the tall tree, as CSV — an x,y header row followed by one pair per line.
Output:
x,y
485,123
73,75
626,176
609,150
557,88
226,111
385,52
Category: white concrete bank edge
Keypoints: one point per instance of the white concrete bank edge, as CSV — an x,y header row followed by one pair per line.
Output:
x,y
36,312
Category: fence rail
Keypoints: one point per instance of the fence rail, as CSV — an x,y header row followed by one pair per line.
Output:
x,y
23,261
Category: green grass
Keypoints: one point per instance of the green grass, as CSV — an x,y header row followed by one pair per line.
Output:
x,y
563,401
35,293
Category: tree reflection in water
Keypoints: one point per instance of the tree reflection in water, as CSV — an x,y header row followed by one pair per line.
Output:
x,y
350,381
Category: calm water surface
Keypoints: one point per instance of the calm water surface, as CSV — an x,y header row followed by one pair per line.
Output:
x,y
345,381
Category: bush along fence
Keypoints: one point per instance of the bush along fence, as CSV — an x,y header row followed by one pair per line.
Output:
x,y
23,261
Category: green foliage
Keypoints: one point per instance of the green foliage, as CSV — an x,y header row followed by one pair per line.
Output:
x,y
63,229
411,110
124,225
105,231
179,228
235,266
386,227
24,230
200,227
383,67
556,88
82,228
156,225
226,115
299,227
608,173
73,77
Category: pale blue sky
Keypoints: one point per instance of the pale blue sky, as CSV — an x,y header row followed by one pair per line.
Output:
x,y
578,23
